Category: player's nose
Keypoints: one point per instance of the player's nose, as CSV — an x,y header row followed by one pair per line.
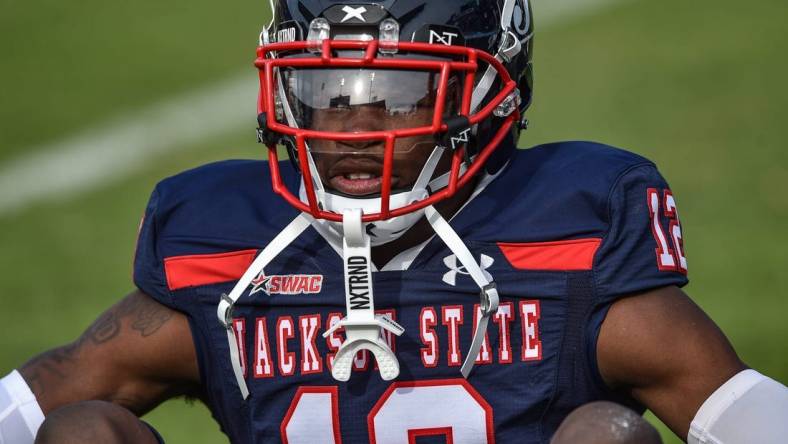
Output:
x,y
364,118
361,145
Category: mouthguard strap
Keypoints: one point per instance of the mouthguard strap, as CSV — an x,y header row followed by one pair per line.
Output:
x,y
488,294
362,326
224,311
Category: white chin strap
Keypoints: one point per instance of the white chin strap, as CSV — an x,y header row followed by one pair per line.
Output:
x,y
362,326
488,292
380,232
225,309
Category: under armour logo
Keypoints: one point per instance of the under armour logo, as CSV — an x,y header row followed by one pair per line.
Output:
x,y
351,12
461,138
450,277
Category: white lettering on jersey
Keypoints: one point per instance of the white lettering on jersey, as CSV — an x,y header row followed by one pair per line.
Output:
x,y
484,356
503,317
665,259
427,321
532,346
668,259
309,326
285,330
262,351
333,341
452,319
287,284
675,230
310,360
239,325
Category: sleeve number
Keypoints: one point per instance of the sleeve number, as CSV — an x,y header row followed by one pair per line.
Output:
x,y
451,409
668,259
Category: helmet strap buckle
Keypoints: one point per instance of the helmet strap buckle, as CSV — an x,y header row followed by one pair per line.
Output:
x,y
264,134
510,46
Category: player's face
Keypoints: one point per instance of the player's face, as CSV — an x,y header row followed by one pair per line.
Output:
x,y
367,100
355,168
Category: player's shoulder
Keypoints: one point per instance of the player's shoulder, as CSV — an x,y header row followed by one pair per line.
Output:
x,y
558,191
207,181
581,163
227,181
232,196
568,168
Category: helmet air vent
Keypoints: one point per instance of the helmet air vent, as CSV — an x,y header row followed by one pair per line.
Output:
x,y
319,30
388,36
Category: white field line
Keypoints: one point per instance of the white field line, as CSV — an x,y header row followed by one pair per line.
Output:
x,y
126,144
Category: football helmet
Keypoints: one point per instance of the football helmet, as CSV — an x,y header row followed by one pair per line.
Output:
x,y
386,108
391,106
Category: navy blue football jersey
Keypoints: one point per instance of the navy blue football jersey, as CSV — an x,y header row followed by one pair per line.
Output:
x,y
565,230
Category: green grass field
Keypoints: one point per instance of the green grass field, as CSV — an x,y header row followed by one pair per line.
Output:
x,y
699,87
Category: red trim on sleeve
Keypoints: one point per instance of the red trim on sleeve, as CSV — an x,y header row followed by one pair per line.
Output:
x,y
205,269
569,255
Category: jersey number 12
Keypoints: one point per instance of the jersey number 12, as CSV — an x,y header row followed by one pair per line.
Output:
x,y
668,259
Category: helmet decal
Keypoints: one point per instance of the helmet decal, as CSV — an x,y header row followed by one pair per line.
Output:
x,y
521,18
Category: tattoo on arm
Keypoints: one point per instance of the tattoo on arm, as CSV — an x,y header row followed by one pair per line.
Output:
x,y
150,317
143,315
147,317
49,365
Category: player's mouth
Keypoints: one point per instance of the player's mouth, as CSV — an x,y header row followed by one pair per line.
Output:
x,y
359,184
357,175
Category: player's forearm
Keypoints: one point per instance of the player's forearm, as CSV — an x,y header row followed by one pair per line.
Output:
x,y
52,376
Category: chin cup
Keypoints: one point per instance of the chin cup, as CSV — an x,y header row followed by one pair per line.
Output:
x,y
365,335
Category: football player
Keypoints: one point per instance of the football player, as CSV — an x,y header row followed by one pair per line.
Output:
x,y
408,274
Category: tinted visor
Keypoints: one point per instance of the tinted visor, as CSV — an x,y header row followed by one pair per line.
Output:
x,y
360,100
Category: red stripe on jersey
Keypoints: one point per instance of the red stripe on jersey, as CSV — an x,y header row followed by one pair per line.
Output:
x,y
569,255
205,269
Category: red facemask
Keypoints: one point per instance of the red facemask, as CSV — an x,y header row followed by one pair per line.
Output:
x,y
450,75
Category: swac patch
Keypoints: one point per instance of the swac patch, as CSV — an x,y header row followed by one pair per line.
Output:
x,y
287,284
